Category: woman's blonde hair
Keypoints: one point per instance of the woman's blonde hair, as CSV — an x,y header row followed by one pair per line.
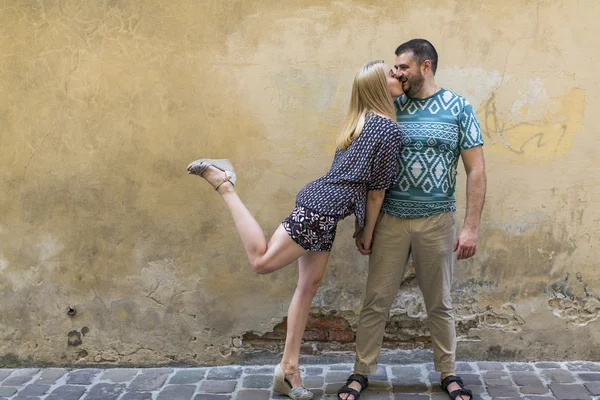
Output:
x,y
369,93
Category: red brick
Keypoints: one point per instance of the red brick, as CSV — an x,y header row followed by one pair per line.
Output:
x,y
282,325
425,339
275,335
306,349
335,346
315,334
320,322
341,336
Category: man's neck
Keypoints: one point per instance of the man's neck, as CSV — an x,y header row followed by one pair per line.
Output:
x,y
429,89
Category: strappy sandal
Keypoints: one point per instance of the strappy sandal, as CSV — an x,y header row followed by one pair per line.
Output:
x,y
361,379
283,386
199,166
458,392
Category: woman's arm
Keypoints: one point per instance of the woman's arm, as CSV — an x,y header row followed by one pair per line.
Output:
x,y
374,201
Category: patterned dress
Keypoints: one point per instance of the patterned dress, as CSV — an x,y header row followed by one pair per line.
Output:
x,y
369,163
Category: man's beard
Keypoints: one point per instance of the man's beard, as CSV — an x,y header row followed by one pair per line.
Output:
x,y
415,85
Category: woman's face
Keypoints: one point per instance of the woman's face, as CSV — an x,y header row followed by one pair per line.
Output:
x,y
393,82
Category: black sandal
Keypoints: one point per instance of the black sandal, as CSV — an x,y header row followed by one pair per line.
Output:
x,y
458,392
361,379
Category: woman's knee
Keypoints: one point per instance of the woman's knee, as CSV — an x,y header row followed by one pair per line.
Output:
x,y
308,287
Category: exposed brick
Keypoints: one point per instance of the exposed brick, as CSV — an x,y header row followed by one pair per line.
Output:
x,y
315,335
275,335
336,346
316,322
423,339
341,336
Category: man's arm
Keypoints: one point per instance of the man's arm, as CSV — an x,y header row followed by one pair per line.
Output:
x,y
466,242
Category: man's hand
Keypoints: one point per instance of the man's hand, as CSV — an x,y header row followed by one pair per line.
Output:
x,y
363,244
466,244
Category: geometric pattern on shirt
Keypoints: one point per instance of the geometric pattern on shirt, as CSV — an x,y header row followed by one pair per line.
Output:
x,y
434,131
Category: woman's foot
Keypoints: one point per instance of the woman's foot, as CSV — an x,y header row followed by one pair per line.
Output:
x,y
218,179
289,383
219,173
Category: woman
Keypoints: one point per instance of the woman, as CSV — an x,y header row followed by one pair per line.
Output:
x,y
364,166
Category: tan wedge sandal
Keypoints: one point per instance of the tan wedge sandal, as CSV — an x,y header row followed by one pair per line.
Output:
x,y
283,386
199,166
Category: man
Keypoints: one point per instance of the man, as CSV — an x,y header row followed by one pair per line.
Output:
x,y
438,128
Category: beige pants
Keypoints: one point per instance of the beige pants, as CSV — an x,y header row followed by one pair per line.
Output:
x,y
431,242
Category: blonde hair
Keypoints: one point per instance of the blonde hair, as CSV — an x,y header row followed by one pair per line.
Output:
x,y
369,93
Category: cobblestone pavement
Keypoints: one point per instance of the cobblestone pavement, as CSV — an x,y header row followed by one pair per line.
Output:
x,y
488,380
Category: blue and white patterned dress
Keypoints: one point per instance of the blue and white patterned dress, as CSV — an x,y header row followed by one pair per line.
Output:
x,y
369,163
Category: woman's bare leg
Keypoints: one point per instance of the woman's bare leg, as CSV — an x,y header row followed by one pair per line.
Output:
x,y
311,267
264,257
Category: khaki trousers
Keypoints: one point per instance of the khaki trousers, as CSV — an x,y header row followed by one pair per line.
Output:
x,y
431,242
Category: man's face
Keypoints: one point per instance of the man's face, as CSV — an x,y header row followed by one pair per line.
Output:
x,y
409,73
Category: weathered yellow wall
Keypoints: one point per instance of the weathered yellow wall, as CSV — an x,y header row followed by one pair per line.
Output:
x,y
103,104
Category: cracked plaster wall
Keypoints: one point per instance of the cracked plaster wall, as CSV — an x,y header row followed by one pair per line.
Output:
x,y
103,103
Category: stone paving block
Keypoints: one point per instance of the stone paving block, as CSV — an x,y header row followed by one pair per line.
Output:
x,y
415,389
519,367
434,378
224,373
257,381
206,396
119,375
407,372
7,391
66,392
547,365
336,376
340,367
5,373
593,388
495,374
464,367
380,374
16,380
187,376
468,379
332,388
589,376
540,397
486,366
35,389
177,392
498,382
401,396
583,366
569,392
51,375
558,375
149,380
313,382
534,390
82,376
253,395
371,395
503,391
137,396
311,371
260,371
105,391
23,397
527,378
214,386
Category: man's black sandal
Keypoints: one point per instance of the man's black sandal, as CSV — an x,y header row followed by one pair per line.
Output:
x,y
458,392
361,379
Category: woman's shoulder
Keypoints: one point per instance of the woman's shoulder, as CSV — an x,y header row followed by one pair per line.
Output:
x,y
385,125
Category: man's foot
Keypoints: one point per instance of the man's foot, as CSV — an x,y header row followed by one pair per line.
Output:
x,y
354,386
454,386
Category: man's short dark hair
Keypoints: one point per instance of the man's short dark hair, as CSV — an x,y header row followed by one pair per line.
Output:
x,y
422,50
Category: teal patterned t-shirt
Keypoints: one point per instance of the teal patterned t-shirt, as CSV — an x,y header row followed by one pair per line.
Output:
x,y
434,131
